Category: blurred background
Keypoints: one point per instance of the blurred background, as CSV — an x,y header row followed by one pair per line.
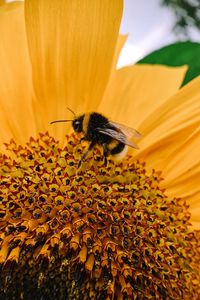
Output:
x,y
152,24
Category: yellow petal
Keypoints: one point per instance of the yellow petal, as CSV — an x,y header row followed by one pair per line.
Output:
x,y
15,75
171,131
135,92
71,44
196,225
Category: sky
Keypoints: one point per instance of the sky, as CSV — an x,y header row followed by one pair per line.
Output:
x,y
149,26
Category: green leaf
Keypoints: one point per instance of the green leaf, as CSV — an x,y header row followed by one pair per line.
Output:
x,y
178,54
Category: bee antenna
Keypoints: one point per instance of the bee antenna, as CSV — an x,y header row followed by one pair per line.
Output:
x,y
59,121
71,111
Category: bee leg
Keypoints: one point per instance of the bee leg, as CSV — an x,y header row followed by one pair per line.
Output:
x,y
86,153
105,153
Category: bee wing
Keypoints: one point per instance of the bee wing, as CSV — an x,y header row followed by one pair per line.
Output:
x,y
127,131
117,135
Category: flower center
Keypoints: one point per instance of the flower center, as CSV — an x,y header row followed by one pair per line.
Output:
x,y
94,232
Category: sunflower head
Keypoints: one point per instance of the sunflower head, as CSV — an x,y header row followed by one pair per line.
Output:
x,y
106,232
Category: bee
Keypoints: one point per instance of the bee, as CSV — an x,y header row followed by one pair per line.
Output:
x,y
99,130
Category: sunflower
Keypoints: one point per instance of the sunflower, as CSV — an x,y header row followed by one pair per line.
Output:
x,y
127,230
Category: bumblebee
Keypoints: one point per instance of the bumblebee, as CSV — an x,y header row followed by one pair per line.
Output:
x,y
99,130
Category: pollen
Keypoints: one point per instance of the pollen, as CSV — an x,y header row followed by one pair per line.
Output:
x,y
90,230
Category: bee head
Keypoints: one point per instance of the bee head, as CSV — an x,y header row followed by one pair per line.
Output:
x,y
77,124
